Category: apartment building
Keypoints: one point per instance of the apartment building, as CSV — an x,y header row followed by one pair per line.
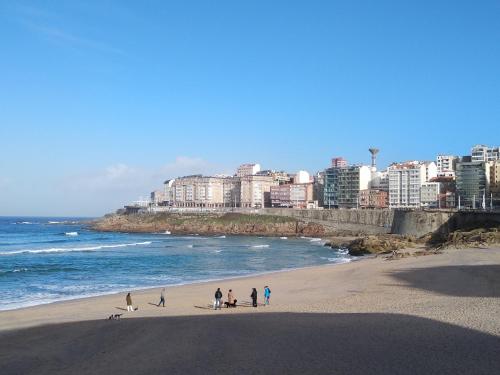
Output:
x,y
342,185
247,169
256,191
231,191
446,165
405,182
302,177
293,195
373,198
430,194
495,183
168,192
473,183
485,153
199,191
339,162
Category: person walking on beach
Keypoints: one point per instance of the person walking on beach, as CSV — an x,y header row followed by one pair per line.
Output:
x,y
162,297
129,303
267,294
218,297
254,297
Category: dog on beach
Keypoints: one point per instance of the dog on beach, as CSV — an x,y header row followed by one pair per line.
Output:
x,y
231,304
115,316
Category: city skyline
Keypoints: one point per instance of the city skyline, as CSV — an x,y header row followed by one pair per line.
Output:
x,y
101,102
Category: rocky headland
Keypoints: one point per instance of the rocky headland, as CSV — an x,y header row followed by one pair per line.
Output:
x,y
208,223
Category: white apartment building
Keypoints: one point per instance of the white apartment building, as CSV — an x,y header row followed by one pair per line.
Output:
x,y
484,153
302,177
446,165
247,170
168,192
406,180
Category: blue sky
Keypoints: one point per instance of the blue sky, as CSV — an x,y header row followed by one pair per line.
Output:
x,y
100,101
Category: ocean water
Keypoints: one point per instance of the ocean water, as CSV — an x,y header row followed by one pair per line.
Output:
x,y
45,260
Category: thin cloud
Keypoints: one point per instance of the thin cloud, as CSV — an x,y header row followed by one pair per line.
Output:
x,y
123,177
61,36
40,22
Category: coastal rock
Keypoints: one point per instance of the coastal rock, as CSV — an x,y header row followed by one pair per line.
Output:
x,y
208,223
373,244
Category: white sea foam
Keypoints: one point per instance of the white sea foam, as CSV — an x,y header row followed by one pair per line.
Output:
x,y
71,234
55,222
190,246
217,251
14,270
72,249
221,237
314,239
167,232
284,238
259,246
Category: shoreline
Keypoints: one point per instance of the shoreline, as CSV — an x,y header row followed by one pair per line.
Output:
x,y
194,283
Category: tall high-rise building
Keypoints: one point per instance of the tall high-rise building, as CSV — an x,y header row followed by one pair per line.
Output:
x,y
343,185
406,180
473,183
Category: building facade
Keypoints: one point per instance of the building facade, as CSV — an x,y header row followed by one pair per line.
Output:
x,y
247,169
473,183
302,177
199,191
405,182
256,191
485,153
339,162
342,185
446,165
373,198
430,194
293,195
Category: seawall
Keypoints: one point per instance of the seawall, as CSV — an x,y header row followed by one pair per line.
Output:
x,y
404,222
419,223
340,220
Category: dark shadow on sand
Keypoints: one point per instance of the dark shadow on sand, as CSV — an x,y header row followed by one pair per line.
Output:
x,y
477,281
272,343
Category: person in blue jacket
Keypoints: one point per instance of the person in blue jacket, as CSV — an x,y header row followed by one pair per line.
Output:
x,y
267,294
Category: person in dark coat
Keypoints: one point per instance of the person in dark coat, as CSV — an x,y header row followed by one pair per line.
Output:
x,y
254,297
162,297
218,297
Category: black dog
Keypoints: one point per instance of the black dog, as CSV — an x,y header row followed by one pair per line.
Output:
x,y
115,316
228,305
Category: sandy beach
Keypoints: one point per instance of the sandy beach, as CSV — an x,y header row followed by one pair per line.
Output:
x,y
434,314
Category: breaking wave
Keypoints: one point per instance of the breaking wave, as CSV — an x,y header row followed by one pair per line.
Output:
x,y
72,249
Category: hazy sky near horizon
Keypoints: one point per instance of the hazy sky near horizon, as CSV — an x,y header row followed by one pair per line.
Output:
x,y
101,101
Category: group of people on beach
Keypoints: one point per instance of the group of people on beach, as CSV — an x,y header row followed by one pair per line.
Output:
x,y
218,302
231,300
